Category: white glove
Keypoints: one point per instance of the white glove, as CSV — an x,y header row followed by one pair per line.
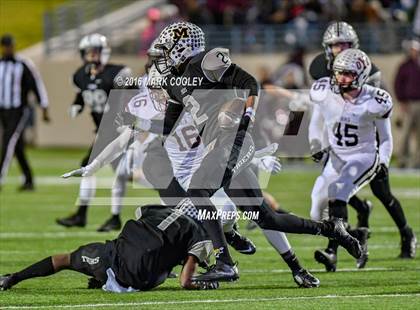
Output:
x,y
74,110
268,150
84,171
270,164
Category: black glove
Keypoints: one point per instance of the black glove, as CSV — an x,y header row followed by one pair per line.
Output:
x,y
206,285
382,172
316,151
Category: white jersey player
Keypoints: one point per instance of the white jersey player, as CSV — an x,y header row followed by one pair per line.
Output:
x,y
347,116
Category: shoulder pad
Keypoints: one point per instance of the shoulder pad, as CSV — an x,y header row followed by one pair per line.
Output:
x,y
318,67
319,90
215,63
380,102
77,77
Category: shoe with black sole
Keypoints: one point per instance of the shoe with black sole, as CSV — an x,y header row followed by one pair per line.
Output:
x,y
327,258
408,244
240,243
219,272
113,223
305,279
26,187
6,282
339,233
362,234
75,220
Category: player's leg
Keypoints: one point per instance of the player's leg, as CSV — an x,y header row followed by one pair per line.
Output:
x,y
92,259
381,189
319,211
363,209
355,173
244,192
42,268
229,217
87,191
24,164
117,195
14,122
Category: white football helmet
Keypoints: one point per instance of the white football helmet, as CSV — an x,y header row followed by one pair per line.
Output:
x,y
95,41
179,41
338,32
354,61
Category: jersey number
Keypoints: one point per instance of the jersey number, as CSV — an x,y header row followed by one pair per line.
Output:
x,y
350,137
381,96
190,138
194,107
96,99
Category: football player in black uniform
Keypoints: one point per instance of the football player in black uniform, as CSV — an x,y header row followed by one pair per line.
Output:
x,y
338,37
94,80
186,59
141,258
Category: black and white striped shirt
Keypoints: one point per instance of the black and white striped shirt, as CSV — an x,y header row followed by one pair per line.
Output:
x,y
18,77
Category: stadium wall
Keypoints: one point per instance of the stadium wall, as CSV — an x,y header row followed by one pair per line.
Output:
x,y
63,131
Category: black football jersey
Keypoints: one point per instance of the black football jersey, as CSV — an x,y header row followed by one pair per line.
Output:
x,y
146,255
212,82
94,89
319,69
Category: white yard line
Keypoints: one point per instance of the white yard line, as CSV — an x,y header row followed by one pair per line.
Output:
x,y
213,301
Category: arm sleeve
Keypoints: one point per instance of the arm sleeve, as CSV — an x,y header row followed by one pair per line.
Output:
x,y
36,84
383,127
235,76
114,149
316,125
173,112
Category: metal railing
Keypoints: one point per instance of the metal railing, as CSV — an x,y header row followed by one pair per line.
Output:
x,y
65,26
381,38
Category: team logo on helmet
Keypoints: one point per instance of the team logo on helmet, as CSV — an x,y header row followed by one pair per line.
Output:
x,y
352,61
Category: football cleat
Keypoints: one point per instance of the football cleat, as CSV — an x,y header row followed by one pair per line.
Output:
x,y
327,258
219,272
362,234
408,244
26,187
304,279
363,217
240,243
113,223
338,232
6,282
74,220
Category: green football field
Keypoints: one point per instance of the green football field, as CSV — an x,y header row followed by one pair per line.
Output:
x,y
28,233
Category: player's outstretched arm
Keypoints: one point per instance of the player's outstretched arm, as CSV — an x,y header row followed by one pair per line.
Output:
x,y
109,153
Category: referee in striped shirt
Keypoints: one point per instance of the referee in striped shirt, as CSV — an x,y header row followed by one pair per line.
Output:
x,y
18,77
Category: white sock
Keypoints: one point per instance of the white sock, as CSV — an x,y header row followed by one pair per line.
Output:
x,y
118,193
278,240
87,190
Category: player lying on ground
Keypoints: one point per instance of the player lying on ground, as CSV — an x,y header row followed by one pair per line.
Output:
x,y
141,258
